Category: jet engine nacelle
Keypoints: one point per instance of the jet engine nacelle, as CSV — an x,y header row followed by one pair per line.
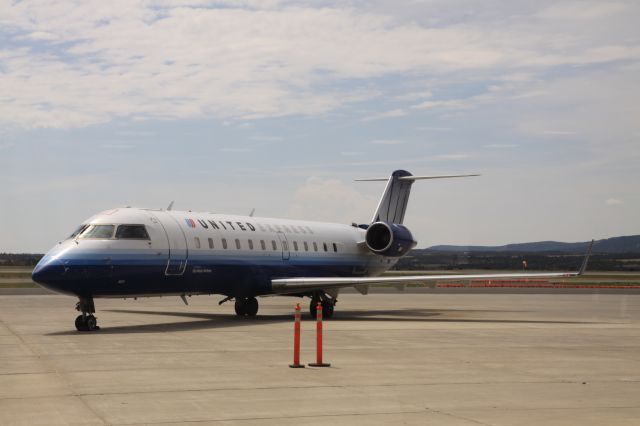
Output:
x,y
389,239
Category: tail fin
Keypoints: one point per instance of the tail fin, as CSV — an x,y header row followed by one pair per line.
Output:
x,y
393,204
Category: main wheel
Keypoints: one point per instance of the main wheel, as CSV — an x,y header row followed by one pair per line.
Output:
x,y
251,307
327,309
240,307
80,324
313,308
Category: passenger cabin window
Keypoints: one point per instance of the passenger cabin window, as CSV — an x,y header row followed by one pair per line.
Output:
x,y
250,244
98,231
224,243
210,243
306,246
315,246
197,240
295,245
274,245
325,246
285,246
263,245
238,244
132,232
335,247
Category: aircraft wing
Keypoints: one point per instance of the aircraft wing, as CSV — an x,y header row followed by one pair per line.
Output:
x,y
301,285
297,285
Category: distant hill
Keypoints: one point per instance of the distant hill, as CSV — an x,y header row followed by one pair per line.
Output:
x,y
628,244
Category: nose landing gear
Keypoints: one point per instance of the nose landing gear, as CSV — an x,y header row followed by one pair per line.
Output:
x,y
86,321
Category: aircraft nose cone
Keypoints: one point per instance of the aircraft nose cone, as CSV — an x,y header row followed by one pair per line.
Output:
x,y
48,271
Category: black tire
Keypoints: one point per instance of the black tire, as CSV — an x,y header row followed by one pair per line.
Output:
x,y
240,307
251,307
327,309
80,325
313,308
91,323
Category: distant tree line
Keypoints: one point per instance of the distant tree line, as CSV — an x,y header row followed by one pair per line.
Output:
x,y
20,259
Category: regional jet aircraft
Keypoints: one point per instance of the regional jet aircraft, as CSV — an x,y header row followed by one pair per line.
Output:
x,y
135,252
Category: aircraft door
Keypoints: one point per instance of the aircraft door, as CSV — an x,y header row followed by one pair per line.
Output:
x,y
178,250
285,246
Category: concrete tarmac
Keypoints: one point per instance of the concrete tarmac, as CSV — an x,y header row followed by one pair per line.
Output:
x,y
425,358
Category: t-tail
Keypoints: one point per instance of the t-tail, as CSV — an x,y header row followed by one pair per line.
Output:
x,y
386,235
393,204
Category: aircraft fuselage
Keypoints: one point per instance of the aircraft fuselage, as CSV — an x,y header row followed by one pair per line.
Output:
x,y
200,253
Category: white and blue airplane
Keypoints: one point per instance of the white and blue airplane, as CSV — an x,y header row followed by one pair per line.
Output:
x,y
136,252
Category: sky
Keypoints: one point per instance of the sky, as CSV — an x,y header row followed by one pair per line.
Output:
x,y
226,106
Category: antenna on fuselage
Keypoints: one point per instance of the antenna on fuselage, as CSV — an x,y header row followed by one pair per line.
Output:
x,y
253,210
170,206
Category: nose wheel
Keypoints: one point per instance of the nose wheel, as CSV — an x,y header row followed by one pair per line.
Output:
x,y
86,321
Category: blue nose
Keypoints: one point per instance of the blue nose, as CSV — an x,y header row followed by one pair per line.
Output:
x,y
48,271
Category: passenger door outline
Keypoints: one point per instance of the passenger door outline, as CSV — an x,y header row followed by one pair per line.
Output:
x,y
177,241
284,244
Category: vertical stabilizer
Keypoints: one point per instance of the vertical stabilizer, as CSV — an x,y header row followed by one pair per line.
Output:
x,y
393,204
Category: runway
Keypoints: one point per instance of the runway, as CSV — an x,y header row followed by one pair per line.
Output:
x,y
424,358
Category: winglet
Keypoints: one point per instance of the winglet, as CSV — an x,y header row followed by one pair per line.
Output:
x,y
583,268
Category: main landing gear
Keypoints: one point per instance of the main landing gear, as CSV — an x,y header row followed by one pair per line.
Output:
x,y
86,321
246,307
328,305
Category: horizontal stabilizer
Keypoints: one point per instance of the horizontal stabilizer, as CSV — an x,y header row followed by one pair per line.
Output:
x,y
393,204
412,178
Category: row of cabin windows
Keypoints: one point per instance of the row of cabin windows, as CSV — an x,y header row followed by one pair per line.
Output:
x,y
263,245
291,229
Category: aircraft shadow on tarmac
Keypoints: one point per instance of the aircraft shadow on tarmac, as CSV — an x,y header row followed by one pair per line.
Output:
x,y
216,321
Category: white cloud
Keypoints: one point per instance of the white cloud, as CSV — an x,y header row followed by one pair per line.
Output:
x,y
330,200
459,104
582,10
387,114
614,202
91,63
415,96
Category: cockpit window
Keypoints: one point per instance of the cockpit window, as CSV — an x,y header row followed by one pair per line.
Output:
x,y
97,231
132,232
79,230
